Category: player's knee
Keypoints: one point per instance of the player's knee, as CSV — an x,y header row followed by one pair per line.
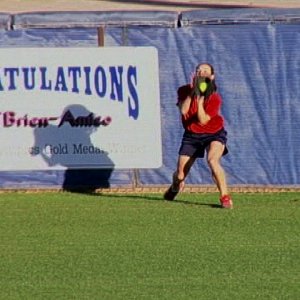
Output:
x,y
213,162
178,175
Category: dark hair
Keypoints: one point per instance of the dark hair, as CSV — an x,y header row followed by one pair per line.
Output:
x,y
213,87
212,73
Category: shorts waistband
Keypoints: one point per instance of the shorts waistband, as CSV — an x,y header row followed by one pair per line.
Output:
x,y
191,134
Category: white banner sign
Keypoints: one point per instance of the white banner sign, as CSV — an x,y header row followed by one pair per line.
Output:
x,y
64,108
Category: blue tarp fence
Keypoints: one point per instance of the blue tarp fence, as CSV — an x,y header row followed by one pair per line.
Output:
x,y
256,56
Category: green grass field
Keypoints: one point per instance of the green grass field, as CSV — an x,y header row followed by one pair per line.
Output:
x,y
76,246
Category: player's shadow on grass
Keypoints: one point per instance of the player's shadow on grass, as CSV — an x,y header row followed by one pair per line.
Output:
x,y
212,205
160,198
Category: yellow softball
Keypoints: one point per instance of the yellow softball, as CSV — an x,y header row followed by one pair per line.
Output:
x,y
203,86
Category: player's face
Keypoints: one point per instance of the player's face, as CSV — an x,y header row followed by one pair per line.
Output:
x,y
204,71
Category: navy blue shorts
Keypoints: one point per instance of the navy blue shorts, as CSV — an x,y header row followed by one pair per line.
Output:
x,y
194,144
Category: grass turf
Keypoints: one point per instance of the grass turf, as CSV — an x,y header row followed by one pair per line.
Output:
x,y
76,246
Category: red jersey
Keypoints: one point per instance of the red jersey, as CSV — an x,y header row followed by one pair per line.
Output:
x,y
212,107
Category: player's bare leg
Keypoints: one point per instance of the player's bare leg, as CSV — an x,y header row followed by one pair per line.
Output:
x,y
214,155
184,165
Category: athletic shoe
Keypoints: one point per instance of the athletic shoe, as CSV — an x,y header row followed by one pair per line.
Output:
x,y
170,193
174,189
226,201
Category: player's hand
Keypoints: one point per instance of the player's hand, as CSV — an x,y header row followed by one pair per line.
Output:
x,y
201,86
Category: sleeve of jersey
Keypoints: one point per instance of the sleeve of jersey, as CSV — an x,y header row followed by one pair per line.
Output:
x,y
213,106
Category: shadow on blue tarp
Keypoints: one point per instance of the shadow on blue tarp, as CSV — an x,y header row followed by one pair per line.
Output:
x,y
256,56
